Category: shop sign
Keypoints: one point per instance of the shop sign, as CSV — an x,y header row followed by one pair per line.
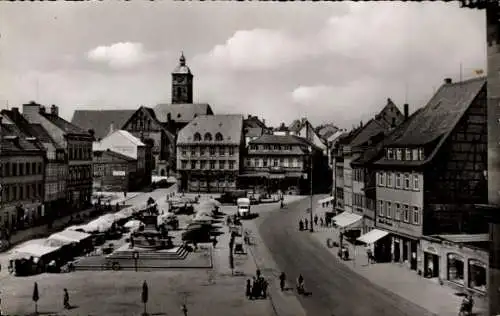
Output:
x,y
116,173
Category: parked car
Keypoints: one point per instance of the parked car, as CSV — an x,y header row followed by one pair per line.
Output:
x,y
231,197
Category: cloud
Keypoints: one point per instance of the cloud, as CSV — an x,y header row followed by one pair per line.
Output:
x,y
119,55
256,49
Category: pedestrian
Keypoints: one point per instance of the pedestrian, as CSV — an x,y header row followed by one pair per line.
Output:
x,y
264,287
282,281
66,299
255,288
214,242
301,225
369,254
248,291
315,220
321,222
306,222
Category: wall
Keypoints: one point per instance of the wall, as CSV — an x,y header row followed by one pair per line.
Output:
x,y
411,197
443,249
347,183
120,144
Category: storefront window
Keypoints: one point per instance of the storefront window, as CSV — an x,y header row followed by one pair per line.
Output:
x,y
477,275
455,268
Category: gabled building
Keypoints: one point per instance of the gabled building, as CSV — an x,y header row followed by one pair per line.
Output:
x,y
22,168
124,143
114,172
432,170
253,128
102,122
158,125
56,167
349,180
303,128
281,162
209,153
77,145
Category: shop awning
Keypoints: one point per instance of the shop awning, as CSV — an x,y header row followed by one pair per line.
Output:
x,y
294,175
255,175
372,236
276,176
346,219
326,200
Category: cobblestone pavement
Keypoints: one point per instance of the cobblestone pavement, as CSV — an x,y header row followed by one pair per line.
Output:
x,y
397,278
205,291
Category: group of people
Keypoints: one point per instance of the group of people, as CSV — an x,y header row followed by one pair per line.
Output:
x,y
257,288
323,222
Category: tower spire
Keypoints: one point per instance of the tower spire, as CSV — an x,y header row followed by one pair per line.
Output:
x,y
182,59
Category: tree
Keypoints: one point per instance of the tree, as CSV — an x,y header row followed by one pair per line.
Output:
x,y
35,297
145,295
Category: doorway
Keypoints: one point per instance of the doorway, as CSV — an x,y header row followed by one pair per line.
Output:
x,y
413,259
405,251
397,250
431,265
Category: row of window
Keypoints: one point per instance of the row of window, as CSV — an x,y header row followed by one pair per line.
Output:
x,y
208,137
21,192
197,151
56,171
404,153
270,147
80,151
101,169
208,165
274,162
359,175
16,169
79,173
399,212
398,180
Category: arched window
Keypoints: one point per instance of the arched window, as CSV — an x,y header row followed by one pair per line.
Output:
x,y
218,137
208,137
197,137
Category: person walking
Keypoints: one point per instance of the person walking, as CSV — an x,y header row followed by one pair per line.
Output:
x,y
315,220
321,222
248,290
66,299
282,281
306,222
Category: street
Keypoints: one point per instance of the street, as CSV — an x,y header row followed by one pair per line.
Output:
x,y
336,290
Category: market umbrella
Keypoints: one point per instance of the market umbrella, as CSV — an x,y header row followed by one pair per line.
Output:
x,y
133,224
212,202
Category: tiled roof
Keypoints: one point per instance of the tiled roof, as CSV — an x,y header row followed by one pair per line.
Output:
x,y
136,141
101,120
434,122
109,152
64,125
283,140
28,129
14,140
253,122
254,131
229,125
441,114
40,133
183,113
294,152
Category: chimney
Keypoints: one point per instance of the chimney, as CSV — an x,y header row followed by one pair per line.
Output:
x,y
54,110
249,116
447,80
406,110
111,128
264,121
31,109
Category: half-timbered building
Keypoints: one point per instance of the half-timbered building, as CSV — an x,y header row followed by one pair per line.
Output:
x,y
432,168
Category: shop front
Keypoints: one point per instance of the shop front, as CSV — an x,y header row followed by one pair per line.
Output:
x,y
379,242
457,261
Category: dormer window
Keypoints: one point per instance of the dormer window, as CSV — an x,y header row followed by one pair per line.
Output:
x,y
218,137
399,154
390,153
208,137
408,154
421,155
415,154
197,137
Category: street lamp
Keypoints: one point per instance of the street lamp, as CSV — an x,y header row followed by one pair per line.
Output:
x,y
311,229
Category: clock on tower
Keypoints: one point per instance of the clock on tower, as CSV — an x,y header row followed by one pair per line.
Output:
x,y
182,83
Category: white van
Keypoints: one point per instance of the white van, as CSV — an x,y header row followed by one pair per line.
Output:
x,y
243,205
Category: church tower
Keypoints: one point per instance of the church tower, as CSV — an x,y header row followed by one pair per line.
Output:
x,y
182,83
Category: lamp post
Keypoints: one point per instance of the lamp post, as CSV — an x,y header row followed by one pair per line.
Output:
x,y
311,229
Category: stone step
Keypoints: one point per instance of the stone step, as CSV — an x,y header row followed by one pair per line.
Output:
x,y
180,254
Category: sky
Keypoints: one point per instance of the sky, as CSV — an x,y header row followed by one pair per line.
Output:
x,y
331,62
